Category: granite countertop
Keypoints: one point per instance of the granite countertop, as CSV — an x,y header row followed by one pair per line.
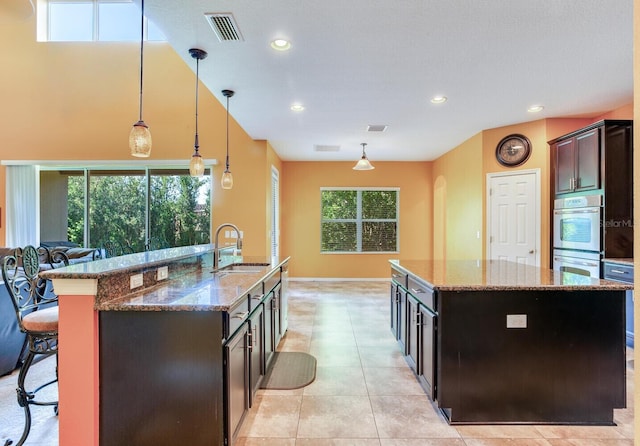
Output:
x,y
620,261
472,275
202,290
191,284
127,263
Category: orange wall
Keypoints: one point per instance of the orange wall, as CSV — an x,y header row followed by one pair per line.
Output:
x,y
300,213
78,101
458,191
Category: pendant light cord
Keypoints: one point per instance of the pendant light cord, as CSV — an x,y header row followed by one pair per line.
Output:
x,y
227,163
141,52
196,144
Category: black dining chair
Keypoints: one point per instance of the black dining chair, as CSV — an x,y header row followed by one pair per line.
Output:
x,y
36,307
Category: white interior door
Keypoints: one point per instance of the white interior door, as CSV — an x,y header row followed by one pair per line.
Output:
x,y
514,217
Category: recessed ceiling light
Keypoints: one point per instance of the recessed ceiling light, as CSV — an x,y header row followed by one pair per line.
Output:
x,y
297,107
535,108
280,44
438,99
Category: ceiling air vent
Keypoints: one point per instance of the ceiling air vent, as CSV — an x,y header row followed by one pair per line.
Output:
x,y
324,148
224,25
376,128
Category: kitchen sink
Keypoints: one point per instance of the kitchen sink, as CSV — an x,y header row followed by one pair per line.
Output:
x,y
242,268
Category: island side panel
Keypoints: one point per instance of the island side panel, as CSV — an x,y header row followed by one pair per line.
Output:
x,y
566,366
78,371
161,378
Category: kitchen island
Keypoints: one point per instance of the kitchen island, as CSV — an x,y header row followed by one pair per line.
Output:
x,y
158,348
500,342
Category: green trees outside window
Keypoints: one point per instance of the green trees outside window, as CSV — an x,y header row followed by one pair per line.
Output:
x,y
359,220
178,207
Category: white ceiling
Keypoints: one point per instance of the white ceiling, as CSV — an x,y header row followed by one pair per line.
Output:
x,y
359,62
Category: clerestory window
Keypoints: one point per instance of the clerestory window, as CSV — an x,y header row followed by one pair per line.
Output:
x,y
93,20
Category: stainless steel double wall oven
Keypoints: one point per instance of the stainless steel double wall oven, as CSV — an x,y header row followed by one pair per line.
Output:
x,y
577,235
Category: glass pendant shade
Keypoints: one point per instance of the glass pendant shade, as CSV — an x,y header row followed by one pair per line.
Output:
x,y
140,140
196,165
227,180
363,163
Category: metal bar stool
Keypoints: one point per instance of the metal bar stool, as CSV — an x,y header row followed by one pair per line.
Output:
x,y
36,308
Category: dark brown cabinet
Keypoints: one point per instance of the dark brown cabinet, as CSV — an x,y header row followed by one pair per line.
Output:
x,y
598,159
237,379
577,160
582,159
413,323
413,333
256,350
426,369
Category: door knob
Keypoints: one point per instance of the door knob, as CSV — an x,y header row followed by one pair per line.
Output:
x,y
532,251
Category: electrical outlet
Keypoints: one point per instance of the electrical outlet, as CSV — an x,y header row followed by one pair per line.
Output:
x,y
163,273
136,281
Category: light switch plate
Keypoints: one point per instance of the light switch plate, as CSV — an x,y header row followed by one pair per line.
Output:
x,y
516,321
163,273
136,281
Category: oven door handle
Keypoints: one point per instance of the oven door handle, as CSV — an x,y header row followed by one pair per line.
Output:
x,y
576,211
574,262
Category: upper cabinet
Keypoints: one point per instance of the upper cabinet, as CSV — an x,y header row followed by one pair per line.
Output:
x,y
582,159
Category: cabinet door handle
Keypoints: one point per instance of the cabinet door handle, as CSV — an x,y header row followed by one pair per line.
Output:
x,y
619,271
249,341
418,290
258,297
240,315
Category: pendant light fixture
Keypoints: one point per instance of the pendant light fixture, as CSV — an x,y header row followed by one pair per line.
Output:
x,y
227,178
140,136
196,165
363,163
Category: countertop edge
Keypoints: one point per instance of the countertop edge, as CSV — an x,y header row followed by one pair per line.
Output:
x,y
601,285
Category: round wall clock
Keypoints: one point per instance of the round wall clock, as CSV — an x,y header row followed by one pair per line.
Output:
x,y
513,150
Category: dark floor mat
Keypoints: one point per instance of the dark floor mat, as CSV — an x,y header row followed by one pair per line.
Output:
x,y
290,370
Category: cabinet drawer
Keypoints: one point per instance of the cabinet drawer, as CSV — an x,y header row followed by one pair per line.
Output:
x,y
399,277
421,291
256,295
615,271
236,316
271,282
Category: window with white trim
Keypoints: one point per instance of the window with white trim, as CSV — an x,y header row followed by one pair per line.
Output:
x,y
361,220
94,20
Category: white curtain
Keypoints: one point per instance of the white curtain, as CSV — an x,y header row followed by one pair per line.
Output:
x,y
23,216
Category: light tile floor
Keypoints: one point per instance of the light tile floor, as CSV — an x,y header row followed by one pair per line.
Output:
x,y
364,393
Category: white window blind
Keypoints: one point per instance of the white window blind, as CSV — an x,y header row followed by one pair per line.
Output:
x,y
359,220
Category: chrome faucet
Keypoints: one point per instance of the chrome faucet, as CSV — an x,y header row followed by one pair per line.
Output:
x,y
216,248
